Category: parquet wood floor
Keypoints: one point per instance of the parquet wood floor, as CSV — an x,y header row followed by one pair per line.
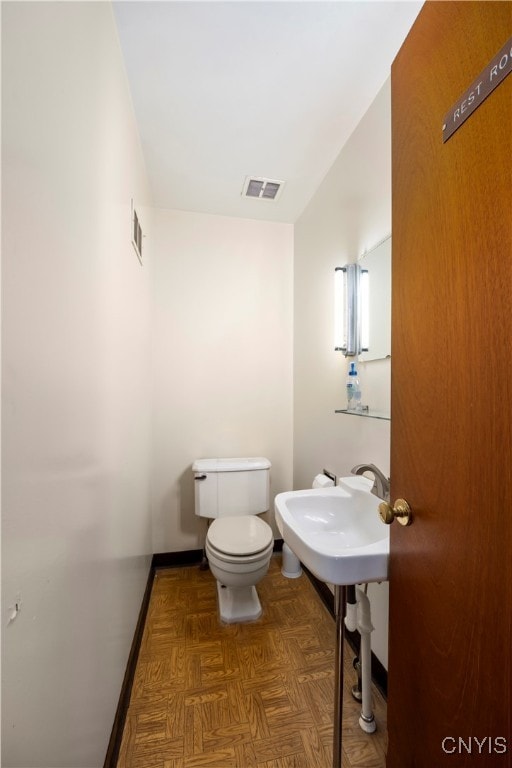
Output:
x,y
255,695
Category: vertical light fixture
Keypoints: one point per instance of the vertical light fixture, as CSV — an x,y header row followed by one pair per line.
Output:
x,y
351,309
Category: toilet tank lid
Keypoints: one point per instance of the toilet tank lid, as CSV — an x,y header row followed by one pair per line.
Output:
x,y
230,465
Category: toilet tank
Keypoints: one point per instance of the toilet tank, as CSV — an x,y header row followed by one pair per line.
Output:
x,y
231,486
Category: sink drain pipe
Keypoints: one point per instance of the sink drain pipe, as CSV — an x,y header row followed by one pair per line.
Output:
x,y
351,625
359,617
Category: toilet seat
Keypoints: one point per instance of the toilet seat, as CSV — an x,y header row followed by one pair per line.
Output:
x,y
240,562
239,537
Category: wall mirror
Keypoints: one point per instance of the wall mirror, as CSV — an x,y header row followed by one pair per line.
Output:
x,y
378,263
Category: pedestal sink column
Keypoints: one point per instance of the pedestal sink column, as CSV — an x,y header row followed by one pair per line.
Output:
x,y
339,611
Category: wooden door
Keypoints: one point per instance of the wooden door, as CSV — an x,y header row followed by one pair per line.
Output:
x,y
451,410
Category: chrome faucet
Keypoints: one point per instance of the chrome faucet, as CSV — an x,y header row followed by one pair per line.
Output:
x,y
380,481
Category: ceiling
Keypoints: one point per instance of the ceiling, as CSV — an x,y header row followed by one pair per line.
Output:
x,y
225,90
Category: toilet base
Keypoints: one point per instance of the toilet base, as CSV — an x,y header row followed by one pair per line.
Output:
x,y
238,604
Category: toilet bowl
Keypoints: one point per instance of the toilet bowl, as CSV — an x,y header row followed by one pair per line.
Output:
x,y
239,551
239,545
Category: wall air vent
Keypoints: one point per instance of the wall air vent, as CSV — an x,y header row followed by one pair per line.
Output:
x,y
262,189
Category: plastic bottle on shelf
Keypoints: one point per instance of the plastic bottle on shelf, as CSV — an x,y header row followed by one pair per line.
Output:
x,y
353,390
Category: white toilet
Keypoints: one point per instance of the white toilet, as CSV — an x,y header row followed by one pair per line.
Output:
x,y
239,545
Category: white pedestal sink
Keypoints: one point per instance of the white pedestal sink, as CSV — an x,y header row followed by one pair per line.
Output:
x,y
338,535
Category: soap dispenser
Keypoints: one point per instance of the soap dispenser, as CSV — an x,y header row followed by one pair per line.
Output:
x,y
353,390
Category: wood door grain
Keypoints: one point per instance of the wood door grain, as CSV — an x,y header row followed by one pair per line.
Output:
x,y
451,429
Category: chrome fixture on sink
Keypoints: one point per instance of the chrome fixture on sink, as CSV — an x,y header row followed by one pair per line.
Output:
x,y
380,482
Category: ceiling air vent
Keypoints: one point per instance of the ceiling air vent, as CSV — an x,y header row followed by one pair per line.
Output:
x,y
263,189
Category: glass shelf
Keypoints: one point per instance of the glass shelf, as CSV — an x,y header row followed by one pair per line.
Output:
x,y
369,414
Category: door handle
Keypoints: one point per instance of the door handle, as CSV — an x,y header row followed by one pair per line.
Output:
x,y
200,477
401,512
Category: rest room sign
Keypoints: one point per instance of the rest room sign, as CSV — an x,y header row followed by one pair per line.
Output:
x,y
494,74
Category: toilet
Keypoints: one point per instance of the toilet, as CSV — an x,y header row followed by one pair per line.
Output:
x,y
239,545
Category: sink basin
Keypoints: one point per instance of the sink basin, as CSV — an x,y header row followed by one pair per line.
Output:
x,y
336,532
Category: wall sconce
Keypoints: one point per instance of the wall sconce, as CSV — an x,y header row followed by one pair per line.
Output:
x,y
351,309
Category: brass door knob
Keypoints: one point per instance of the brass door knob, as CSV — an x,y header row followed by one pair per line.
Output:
x,y
401,512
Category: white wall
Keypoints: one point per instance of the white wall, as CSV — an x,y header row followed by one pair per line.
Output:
x,y
78,399
76,416
350,212
223,351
